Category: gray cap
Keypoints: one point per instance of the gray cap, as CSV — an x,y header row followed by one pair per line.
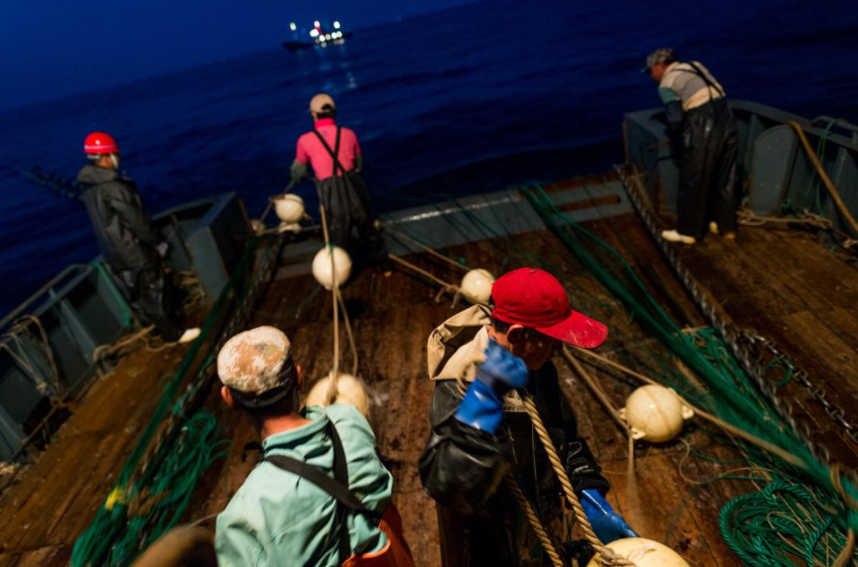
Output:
x,y
658,56
255,363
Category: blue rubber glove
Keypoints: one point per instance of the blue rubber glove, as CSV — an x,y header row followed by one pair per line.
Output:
x,y
607,524
501,371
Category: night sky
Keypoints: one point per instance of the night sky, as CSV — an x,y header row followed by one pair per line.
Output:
x,y
52,48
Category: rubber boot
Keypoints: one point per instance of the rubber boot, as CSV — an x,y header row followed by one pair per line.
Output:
x,y
673,236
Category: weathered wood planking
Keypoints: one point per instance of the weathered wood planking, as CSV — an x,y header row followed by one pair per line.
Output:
x,y
392,318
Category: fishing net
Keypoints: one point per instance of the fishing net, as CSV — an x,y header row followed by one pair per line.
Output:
x,y
799,514
178,444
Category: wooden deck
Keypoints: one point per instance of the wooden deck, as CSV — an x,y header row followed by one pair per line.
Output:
x,y
792,289
57,497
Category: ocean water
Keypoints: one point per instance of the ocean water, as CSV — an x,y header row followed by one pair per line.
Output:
x,y
471,99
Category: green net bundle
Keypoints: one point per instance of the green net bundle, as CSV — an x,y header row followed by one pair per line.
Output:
x,y
157,480
798,515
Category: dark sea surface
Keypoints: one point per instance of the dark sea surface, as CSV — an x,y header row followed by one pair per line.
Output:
x,y
468,100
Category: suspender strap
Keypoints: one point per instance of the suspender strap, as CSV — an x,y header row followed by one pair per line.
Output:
x,y
698,71
333,153
337,487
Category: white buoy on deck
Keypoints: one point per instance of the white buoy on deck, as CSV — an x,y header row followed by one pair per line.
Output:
x,y
290,210
655,413
322,266
477,286
643,553
350,390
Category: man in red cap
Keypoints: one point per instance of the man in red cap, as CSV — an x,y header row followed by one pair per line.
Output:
x,y
480,430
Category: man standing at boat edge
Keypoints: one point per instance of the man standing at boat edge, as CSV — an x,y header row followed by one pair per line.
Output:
x,y
334,154
704,141
132,246
478,437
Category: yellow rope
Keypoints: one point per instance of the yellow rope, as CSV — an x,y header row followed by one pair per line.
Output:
x,y
446,285
335,289
824,176
607,556
534,521
763,444
425,248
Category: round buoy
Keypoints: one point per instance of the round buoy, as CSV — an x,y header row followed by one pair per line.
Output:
x,y
655,413
643,553
258,227
290,210
322,266
350,390
477,286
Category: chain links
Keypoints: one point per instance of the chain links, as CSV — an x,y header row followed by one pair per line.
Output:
x,y
743,344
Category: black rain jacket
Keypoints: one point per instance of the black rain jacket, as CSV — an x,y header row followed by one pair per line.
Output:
x,y
462,468
124,231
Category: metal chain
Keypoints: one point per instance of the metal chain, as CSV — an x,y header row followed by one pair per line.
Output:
x,y
741,343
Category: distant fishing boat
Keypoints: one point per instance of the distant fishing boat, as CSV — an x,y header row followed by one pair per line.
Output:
x,y
319,36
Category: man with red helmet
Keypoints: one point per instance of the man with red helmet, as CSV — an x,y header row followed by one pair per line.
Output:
x,y
480,436
131,245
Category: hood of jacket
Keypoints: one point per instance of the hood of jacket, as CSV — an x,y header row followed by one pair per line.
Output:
x,y
457,347
93,175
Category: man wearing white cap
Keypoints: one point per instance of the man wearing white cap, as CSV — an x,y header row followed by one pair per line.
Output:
x,y
334,154
320,496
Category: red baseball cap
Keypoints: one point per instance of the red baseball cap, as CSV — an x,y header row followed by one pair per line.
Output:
x,y
535,299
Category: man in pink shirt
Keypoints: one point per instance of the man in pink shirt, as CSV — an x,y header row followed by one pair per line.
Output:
x,y
334,154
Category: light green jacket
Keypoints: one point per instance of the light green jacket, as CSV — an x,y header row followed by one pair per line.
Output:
x,y
278,519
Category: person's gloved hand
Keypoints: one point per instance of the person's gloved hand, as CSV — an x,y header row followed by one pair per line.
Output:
x,y
499,373
162,249
607,524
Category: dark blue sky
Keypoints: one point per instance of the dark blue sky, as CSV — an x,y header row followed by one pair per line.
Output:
x,y
51,48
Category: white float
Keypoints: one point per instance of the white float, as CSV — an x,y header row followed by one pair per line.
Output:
x,y
290,210
350,390
258,227
322,266
655,413
477,286
643,553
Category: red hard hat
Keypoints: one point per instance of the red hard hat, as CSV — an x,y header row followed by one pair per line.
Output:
x,y
99,143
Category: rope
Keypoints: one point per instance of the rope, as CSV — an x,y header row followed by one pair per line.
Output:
x,y
811,155
761,443
446,285
335,288
607,556
534,521
427,249
747,217
20,329
606,402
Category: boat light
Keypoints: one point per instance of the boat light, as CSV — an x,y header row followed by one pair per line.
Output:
x,y
327,36
314,33
316,24
292,26
336,25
